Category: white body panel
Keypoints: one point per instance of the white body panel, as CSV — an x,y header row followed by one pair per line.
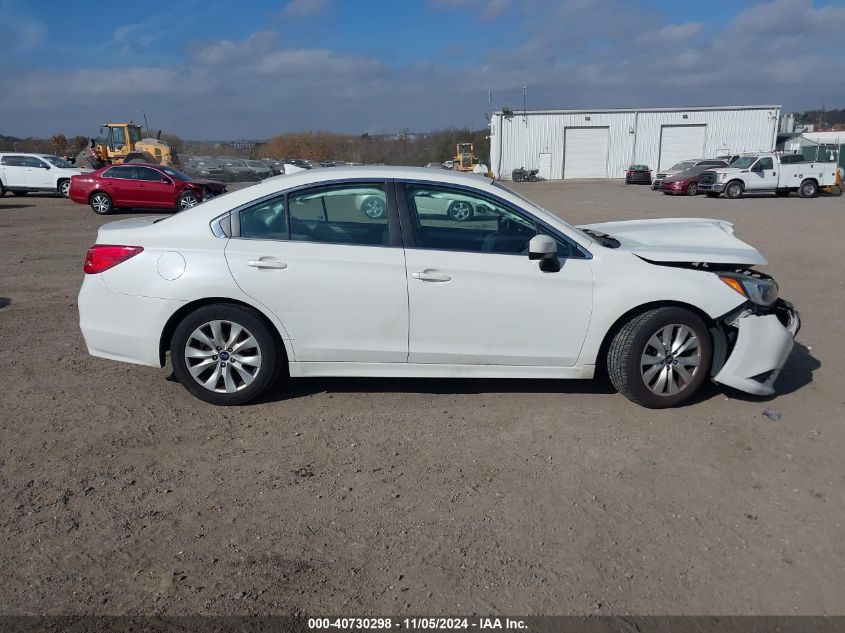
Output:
x,y
338,303
363,310
496,309
785,176
25,178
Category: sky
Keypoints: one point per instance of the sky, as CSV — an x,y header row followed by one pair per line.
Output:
x,y
214,70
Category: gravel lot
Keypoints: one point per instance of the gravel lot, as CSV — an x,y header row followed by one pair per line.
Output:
x,y
123,494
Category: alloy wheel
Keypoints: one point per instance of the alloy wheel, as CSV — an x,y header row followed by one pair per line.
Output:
x,y
100,203
222,356
670,360
373,208
460,211
64,188
187,201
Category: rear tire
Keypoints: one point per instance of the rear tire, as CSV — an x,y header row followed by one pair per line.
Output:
x,y
734,190
808,189
221,378
101,203
654,374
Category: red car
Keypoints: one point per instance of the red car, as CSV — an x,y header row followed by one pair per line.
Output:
x,y
141,185
685,183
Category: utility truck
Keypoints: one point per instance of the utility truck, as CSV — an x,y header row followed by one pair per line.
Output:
x,y
768,172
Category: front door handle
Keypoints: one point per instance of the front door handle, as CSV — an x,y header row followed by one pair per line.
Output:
x,y
429,274
268,263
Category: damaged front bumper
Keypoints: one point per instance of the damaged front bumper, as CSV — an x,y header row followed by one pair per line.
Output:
x,y
762,341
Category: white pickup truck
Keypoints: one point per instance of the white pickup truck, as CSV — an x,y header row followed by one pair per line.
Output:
x,y
768,172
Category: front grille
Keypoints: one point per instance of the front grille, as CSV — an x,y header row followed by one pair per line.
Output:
x,y
661,175
707,178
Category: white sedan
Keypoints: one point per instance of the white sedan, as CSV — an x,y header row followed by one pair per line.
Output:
x,y
289,277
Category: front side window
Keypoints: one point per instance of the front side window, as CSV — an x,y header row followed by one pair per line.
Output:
x,y
265,220
340,214
58,162
135,134
117,138
457,220
766,163
147,174
31,161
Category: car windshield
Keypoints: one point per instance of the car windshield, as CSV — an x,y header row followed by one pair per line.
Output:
x,y
256,163
686,164
57,162
694,171
175,174
745,162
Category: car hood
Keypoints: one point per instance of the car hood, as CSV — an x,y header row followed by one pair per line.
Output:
x,y
727,170
208,183
694,240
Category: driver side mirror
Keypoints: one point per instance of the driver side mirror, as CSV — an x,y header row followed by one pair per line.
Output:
x,y
542,247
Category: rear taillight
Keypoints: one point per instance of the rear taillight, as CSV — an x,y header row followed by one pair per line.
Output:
x,y
101,257
630,172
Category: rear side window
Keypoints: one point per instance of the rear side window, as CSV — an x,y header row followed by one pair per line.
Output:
x,y
126,173
13,161
31,161
265,220
343,214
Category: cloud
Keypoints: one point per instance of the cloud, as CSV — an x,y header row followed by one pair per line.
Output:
x,y
568,57
305,8
20,33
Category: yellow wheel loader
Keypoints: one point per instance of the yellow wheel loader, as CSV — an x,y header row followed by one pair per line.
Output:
x,y
464,159
124,145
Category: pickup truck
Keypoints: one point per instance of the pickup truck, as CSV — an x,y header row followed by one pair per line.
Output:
x,y
768,172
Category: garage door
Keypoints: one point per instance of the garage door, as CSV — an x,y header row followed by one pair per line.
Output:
x,y
681,142
585,152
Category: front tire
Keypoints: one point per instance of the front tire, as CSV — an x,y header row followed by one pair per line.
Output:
x,y
660,358
734,190
808,189
692,189
186,200
64,188
101,203
224,354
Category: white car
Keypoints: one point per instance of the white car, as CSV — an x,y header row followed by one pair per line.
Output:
x,y
23,173
290,277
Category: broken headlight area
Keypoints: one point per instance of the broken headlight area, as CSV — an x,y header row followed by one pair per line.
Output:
x,y
759,288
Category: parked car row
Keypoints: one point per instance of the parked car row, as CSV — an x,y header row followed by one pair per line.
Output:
x,y
739,173
42,173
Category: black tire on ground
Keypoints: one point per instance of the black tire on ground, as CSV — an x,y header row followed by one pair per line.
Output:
x,y
64,187
20,193
533,178
692,189
712,194
808,189
517,177
625,357
272,356
101,203
734,189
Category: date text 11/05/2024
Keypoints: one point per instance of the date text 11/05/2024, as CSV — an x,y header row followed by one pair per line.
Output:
x,y
418,623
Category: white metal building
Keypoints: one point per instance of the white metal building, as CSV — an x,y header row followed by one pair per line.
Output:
x,y
603,143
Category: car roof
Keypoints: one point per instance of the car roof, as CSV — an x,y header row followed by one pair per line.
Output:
x,y
379,172
153,165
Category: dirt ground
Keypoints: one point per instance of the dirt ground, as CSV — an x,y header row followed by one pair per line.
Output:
x,y
123,494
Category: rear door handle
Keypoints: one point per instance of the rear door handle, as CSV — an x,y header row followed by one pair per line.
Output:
x,y
268,263
430,274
